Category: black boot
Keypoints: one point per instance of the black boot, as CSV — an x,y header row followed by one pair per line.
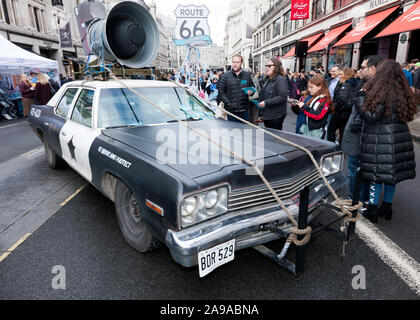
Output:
x,y
385,210
371,213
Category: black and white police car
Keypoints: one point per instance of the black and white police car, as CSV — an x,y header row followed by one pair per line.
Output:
x,y
168,185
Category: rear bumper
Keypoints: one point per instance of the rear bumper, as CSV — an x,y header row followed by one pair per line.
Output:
x,y
244,225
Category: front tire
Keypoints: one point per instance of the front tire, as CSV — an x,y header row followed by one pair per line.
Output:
x,y
53,160
130,221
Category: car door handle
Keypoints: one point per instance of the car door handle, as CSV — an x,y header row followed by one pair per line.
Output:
x,y
63,133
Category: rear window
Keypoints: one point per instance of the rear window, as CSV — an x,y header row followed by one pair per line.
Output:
x,y
65,102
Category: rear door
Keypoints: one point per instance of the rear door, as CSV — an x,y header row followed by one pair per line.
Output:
x,y
56,123
79,132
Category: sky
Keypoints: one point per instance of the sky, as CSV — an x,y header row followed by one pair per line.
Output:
x,y
216,20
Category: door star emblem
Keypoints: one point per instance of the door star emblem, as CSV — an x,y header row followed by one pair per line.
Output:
x,y
71,148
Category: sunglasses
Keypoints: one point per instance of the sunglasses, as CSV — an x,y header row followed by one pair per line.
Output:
x,y
269,65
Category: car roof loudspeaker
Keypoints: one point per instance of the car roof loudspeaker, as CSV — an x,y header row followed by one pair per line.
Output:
x,y
129,35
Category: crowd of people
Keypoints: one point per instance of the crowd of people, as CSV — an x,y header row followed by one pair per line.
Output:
x,y
38,88
364,111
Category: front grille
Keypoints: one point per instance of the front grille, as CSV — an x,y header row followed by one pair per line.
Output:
x,y
262,196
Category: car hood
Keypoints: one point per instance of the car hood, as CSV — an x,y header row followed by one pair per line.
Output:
x,y
194,156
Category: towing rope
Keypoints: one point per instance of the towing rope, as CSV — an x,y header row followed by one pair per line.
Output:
x,y
294,231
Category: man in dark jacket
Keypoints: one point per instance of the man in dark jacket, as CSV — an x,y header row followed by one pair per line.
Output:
x,y
230,87
334,86
353,129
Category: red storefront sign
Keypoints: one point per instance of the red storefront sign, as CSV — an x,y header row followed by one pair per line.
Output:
x,y
299,10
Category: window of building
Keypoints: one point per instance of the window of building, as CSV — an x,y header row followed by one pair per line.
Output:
x,y
57,2
15,10
287,23
341,3
43,21
5,11
1,11
37,20
318,9
276,27
268,33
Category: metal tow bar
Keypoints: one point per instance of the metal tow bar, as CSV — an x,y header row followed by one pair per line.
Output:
x,y
298,267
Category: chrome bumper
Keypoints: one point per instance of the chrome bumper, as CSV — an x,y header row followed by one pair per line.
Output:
x,y
244,225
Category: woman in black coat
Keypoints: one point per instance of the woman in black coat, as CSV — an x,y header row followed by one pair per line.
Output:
x,y
386,153
273,95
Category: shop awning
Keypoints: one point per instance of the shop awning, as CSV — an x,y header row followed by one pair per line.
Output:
x,y
330,37
310,40
365,26
409,20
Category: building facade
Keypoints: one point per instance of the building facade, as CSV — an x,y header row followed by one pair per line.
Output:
x,y
34,25
240,24
276,34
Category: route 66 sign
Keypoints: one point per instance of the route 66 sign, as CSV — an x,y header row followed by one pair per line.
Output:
x,y
191,25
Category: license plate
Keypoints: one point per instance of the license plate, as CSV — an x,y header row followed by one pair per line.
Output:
x,y
210,259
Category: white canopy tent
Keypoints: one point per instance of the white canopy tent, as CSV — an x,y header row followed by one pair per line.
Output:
x,y
14,59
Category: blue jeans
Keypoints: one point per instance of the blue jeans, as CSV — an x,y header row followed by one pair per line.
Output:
x,y
375,192
301,120
352,170
244,115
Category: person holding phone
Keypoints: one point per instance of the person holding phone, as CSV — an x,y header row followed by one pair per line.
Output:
x,y
273,96
317,108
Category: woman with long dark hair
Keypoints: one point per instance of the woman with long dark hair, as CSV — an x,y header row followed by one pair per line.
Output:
x,y
273,96
316,107
386,154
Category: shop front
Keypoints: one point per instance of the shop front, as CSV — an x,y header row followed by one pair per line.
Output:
x,y
365,32
313,60
341,55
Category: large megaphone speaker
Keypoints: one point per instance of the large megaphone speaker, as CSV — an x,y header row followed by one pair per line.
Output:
x,y
129,35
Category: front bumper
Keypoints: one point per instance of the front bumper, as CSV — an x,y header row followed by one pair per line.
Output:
x,y
245,225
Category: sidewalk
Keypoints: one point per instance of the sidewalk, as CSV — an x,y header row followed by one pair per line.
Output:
x,y
415,127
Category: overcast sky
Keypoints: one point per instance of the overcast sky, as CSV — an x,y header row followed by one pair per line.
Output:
x,y
216,20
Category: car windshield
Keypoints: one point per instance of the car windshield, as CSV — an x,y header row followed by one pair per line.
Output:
x,y
121,107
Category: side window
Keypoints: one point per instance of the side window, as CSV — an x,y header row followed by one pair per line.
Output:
x,y
82,112
65,102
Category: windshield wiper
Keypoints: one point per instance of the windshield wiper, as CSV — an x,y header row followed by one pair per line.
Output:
x,y
124,126
189,119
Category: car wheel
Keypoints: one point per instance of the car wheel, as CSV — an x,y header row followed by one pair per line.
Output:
x,y
130,221
53,160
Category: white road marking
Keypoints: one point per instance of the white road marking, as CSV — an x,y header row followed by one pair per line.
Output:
x,y
396,258
12,125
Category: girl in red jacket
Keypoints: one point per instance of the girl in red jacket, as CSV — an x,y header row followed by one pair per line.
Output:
x,y
317,108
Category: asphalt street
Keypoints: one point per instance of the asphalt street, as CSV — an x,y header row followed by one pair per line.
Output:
x,y
69,224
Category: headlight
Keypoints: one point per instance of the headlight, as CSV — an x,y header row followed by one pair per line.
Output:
x,y
203,206
331,163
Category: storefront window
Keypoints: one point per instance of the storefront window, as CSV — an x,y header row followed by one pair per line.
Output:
x,y
340,55
313,60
